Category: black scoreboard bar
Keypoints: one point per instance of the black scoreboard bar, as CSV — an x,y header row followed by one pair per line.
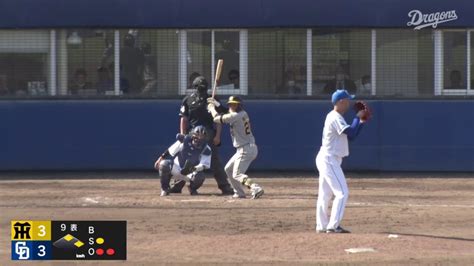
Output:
x,y
69,240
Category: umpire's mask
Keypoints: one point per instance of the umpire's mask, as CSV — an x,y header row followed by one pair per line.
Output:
x,y
200,84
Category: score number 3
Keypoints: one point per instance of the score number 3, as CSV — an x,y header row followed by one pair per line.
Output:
x,y
41,233
42,230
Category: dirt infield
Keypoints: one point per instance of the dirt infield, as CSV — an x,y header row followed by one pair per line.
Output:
x,y
432,216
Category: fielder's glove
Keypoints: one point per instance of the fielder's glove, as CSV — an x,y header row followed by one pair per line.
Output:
x,y
188,168
362,110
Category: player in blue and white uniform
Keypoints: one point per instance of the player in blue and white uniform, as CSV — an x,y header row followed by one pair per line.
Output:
x,y
188,151
332,181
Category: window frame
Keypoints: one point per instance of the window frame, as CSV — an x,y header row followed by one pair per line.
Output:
x,y
454,92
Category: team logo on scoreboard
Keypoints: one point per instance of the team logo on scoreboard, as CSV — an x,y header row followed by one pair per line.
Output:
x,y
22,250
22,230
420,20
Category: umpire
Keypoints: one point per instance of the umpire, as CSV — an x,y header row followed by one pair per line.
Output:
x,y
193,113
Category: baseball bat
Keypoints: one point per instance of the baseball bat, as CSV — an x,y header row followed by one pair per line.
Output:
x,y
220,62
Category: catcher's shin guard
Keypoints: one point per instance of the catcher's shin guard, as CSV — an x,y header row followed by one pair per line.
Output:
x,y
197,180
177,186
165,174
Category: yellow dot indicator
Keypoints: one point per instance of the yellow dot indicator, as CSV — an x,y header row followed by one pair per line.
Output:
x,y
68,237
99,240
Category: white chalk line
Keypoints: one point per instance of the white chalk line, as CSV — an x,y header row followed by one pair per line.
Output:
x,y
196,200
91,200
96,200
408,205
87,201
359,250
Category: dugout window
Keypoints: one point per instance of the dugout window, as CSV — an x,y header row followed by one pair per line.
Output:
x,y
455,62
148,65
277,62
199,51
195,57
24,63
405,62
227,45
85,62
107,62
341,59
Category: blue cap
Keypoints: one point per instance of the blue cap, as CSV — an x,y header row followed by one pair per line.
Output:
x,y
341,94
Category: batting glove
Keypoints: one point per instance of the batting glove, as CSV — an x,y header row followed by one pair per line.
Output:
x,y
213,102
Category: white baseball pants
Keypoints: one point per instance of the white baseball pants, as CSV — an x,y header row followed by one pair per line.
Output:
x,y
239,164
332,182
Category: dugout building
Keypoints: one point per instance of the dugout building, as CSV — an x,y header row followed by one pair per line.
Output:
x,y
90,85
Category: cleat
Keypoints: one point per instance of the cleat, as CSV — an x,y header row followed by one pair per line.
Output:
x,y
237,196
321,231
257,191
164,193
338,230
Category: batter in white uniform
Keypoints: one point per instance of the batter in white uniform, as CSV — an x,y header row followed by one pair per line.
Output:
x,y
334,147
244,141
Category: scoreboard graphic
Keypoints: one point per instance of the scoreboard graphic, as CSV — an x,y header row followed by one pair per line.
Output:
x,y
69,240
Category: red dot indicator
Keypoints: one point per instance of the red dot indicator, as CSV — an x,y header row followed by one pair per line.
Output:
x,y
99,252
110,251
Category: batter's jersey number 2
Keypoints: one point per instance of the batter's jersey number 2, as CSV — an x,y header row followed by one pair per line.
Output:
x,y
248,131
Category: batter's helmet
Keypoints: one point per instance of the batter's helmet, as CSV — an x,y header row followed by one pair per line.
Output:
x,y
234,99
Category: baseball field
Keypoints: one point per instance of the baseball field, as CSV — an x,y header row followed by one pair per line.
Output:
x,y
398,219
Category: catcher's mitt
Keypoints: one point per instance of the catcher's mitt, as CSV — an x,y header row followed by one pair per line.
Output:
x,y
366,112
187,168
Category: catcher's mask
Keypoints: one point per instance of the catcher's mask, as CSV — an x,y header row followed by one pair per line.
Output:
x,y
199,136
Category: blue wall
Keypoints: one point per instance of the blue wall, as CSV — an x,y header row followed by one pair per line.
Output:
x,y
129,134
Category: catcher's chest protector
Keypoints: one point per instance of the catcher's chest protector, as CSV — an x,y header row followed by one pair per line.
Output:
x,y
189,152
